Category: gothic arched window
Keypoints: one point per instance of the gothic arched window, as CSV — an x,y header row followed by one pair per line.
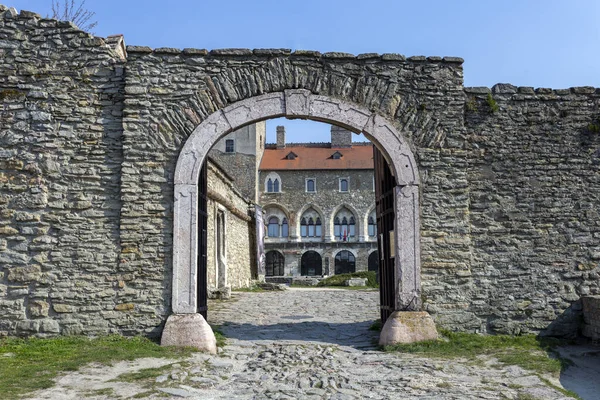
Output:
x,y
284,228
273,229
303,228
372,227
276,186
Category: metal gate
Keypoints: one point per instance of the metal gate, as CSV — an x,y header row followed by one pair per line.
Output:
x,y
385,184
202,306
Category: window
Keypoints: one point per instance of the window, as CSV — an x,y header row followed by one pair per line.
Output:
x,y
273,183
372,227
284,228
344,225
273,229
274,264
345,262
311,185
336,227
229,146
343,184
337,155
311,227
311,264
310,224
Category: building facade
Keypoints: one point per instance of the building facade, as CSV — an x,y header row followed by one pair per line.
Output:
x,y
319,206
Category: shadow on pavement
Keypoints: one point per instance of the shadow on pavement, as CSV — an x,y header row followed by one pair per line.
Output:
x,y
583,377
355,334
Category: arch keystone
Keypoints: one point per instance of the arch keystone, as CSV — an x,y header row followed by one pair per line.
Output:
x,y
297,103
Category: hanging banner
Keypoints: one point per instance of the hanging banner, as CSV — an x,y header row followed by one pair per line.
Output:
x,y
260,242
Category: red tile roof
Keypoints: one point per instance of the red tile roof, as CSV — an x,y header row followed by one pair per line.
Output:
x,y
355,157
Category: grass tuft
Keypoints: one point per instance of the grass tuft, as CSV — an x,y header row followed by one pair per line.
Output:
x,y
31,364
527,351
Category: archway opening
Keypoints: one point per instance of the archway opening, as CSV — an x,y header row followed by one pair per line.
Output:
x,y
311,264
345,262
400,202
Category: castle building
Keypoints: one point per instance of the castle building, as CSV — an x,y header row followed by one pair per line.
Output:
x,y
319,206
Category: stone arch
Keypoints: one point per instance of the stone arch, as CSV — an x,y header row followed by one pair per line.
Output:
x,y
280,207
295,103
357,219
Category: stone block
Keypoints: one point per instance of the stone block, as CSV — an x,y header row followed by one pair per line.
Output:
x,y
356,282
25,274
271,286
62,308
223,293
38,308
189,330
407,327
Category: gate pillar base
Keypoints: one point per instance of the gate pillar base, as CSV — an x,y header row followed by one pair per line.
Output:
x,y
189,330
407,327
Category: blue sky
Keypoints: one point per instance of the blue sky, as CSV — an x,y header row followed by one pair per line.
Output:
x,y
540,43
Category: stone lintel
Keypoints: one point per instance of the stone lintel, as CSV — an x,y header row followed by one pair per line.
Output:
x,y
407,327
189,330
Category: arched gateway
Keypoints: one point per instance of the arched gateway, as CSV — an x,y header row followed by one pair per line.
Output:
x,y
293,103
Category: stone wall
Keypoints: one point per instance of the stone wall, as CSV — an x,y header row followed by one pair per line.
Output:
x,y
510,238
534,179
242,165
238,255
61,99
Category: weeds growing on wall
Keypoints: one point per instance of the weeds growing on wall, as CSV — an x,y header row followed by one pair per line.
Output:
x,y
492,104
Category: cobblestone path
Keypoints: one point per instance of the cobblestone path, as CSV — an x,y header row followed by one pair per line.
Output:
x,y
305,344
313,344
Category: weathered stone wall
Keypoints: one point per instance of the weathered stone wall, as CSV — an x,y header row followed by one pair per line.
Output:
x,y
510,236
61,99
534,178
242,164
239,254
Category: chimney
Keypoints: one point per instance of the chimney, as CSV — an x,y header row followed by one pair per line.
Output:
x,y
281,137
340,137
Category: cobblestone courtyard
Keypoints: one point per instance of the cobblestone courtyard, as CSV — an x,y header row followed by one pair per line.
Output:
x,y
308,344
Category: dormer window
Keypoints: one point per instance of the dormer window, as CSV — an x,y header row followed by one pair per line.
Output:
x,y
291,156
337,155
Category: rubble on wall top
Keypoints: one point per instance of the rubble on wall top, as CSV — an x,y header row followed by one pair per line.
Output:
x,y
508,89
114,42
234,52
